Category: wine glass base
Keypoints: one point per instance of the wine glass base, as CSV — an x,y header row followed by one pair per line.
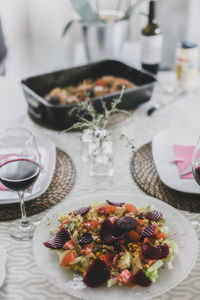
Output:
x,y
23,233
196,226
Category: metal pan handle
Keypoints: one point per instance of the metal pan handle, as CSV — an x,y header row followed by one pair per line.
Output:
x,y
34,108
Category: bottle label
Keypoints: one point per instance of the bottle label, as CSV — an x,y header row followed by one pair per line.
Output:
x,y
151,49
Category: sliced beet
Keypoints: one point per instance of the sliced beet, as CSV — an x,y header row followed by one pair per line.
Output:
x,y
120,204
155,252
109,233
82,211
96,274
86,239
126,223
149,231
58,240
110,239
141,279
155,216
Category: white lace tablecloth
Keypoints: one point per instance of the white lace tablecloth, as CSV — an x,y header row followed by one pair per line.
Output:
x,y
24,280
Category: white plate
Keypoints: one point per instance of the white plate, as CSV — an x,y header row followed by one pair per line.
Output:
x,y
47,150
3,259
181,231
162,149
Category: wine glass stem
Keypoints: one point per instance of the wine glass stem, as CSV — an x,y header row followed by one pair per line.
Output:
x,y
196,225
24,221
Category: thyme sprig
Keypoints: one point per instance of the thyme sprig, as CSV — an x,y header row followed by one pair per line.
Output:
x,y
90,118
129,142
95,121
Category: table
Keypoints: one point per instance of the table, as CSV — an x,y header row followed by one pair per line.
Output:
x,y
24,280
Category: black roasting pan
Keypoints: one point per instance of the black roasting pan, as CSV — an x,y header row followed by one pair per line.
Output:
x,y
59,117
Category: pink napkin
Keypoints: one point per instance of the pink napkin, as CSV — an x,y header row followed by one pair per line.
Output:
x,y
2,187
186,153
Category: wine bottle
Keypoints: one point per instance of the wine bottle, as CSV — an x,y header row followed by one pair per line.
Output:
x,y
151,42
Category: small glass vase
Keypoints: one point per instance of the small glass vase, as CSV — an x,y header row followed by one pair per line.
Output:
x,y
87,137
100,154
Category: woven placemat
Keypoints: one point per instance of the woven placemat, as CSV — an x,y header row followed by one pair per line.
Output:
x,y
120,117
146,176
62,182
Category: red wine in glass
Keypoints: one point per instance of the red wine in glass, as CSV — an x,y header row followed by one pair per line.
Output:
x,y
196,162
196,173
19,174
19,169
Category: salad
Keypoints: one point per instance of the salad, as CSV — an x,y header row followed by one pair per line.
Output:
x,y
113,243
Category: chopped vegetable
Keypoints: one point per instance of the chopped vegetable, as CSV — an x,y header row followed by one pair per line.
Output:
x,y
133,236
125,261
131,208
66,257
108,259
106,210
161,235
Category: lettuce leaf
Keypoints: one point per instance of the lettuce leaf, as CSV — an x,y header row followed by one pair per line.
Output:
x,y
153,275
125,261
173,250
152,271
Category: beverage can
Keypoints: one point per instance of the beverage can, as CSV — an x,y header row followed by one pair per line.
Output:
x,y
187,64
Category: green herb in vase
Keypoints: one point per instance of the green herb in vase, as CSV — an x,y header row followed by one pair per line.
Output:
x,y
96,139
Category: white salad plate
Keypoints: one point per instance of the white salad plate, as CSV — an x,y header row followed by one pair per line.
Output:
x,y
162,150
180,229
47,151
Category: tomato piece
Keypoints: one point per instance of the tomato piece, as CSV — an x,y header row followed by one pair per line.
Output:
x,y
101,82
88,249
66,221
107,209
149,241
67,258
140,222
126,278
88,225
161,235
107,259
156,229
95,223
133,236
138,229
130,208
70,245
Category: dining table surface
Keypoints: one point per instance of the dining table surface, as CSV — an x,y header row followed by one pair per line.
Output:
x,y
24,280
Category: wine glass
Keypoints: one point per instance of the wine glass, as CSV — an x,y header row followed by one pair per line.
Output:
x,y
196,173
19,169
196,162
